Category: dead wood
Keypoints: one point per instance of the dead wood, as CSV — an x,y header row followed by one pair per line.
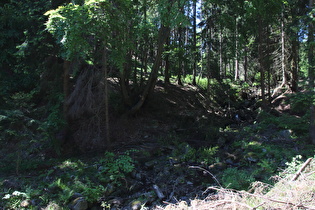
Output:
x,y
298,173
215,179
260,196
87,109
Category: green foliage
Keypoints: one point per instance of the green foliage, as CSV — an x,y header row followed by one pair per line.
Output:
x,y
113,169
58,185
292,167
52,125
222,93
202,155
20,133
14,199
70,24
237,179
299,125
201,82
62,191
300,102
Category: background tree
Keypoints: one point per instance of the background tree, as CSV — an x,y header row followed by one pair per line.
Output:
x,y
311,64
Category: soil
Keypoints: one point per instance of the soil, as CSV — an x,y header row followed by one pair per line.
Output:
x,y
174,118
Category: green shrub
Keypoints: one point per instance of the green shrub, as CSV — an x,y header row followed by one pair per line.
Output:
x,y
300,102
299,125
113,168
292,166
236,179
13,200
203,155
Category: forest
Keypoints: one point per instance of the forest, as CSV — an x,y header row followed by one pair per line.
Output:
x,y
157,104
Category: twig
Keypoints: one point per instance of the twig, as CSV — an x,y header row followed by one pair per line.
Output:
x,y
310,173
158,192
222,202
259,205
266,198
197,167
298,173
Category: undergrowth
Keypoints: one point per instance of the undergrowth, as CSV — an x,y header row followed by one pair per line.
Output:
x,y
248,154
287,193
60,183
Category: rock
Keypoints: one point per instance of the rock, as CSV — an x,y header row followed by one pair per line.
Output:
x,y
136,205
76,195
158,192
286,134
150,164
189,183
99,208
9,184
136,186
229,162
79,204
115,203
52,206
218,166
251,159
109,189
221,141
25,204
136,175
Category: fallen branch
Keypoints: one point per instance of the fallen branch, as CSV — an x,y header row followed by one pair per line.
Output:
x,y
310,173
223,202
298,173
266,198
158,192
215,179
259,205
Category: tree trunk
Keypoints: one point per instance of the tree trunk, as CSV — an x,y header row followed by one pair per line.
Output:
x,y
268,64
295,61
124,83
167,64
194,41
209,73
66,88
245,64
106,97
311,72
163,34
180,59
236,75
221,54
135,70
261,62
145,51
284,77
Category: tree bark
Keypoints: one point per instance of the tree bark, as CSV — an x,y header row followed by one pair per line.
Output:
x,y
167,65
124,83
180,59
295,61
236,75
221,54
106,98
194,41
261,62
245,63
66,88
284,78
163,34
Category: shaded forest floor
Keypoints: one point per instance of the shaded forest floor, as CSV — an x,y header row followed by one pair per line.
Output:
x,y
183,141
